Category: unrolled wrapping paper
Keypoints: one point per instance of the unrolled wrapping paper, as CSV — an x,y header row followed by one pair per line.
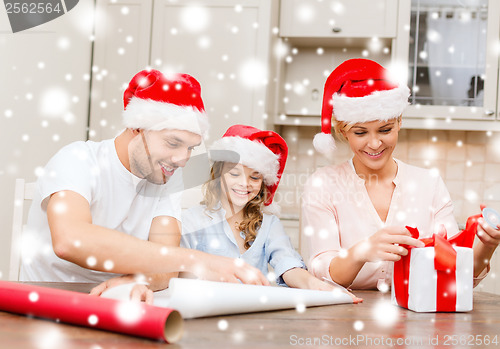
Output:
x,y
195,298
132,318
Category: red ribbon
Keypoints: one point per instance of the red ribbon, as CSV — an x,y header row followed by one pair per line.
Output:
x,y
444,262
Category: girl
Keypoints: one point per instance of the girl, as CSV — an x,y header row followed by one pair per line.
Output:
x,y
235,219
354,215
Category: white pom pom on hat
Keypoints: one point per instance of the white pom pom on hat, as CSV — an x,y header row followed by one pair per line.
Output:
x,y
324,143
358,90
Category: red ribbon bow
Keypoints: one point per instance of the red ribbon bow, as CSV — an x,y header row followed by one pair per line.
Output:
x,y
445,258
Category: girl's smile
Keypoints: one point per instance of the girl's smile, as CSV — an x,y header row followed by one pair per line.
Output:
x,y
239,184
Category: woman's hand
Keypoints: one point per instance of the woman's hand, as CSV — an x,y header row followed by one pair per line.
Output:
x,y
385,245
487,234
140,292
485,246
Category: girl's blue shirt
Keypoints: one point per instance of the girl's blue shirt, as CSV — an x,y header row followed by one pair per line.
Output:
x,y
210,232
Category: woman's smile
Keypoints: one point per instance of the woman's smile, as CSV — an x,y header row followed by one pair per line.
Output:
x,y
375,155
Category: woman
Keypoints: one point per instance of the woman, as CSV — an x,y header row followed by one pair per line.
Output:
x,y
354,214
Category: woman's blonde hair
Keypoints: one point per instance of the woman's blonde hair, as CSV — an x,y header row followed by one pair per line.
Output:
x,y
341,127
252,212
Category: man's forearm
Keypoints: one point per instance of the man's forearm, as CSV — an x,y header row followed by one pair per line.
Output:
x,y
102,249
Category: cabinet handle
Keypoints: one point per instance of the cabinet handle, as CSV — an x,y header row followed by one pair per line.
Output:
x,y
336,29
315,94
489,112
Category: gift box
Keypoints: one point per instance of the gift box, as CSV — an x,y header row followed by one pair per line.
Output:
x,y
439,276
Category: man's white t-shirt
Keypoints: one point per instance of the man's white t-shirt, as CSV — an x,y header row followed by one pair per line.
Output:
x,y
118,200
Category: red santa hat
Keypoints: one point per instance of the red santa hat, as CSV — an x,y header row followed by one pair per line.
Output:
x,y
358,90
154,101
263,151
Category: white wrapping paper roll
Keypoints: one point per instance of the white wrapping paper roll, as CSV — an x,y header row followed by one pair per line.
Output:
x,y
199,298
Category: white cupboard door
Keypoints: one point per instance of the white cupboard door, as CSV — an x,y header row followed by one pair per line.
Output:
x,y
121,49
222,44
452,55
43,100
339,18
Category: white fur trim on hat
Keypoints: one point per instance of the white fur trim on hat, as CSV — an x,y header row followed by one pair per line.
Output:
x,y
273,208
251,154
148,114
324,143
380,105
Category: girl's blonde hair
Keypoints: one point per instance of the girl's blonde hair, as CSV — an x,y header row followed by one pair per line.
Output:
x,y
252,212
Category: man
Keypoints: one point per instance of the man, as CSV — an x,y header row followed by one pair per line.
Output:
x,y
113,207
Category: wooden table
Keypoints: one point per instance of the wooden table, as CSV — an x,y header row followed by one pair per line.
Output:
x,y
373,324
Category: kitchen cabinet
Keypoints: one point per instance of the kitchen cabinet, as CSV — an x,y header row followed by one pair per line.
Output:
x,y
352,18
314,38
224,45
445,50
451,53
228,54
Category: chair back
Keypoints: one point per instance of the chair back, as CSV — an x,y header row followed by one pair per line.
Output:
x,y
23,193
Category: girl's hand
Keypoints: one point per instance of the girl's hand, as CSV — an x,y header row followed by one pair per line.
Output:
x,y
301,278
384,245
140,292
226,269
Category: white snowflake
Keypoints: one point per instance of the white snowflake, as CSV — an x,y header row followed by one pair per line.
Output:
x,y
305,13
300,308
63,43
93,320
195,18
129,312
108,264
33,297
385,313
91,261
222,325
359,325
48,339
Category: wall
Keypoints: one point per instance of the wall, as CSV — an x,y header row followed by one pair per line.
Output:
x,y
43,100
468,162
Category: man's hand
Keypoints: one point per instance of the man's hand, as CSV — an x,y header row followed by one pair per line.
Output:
x,y
140,292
